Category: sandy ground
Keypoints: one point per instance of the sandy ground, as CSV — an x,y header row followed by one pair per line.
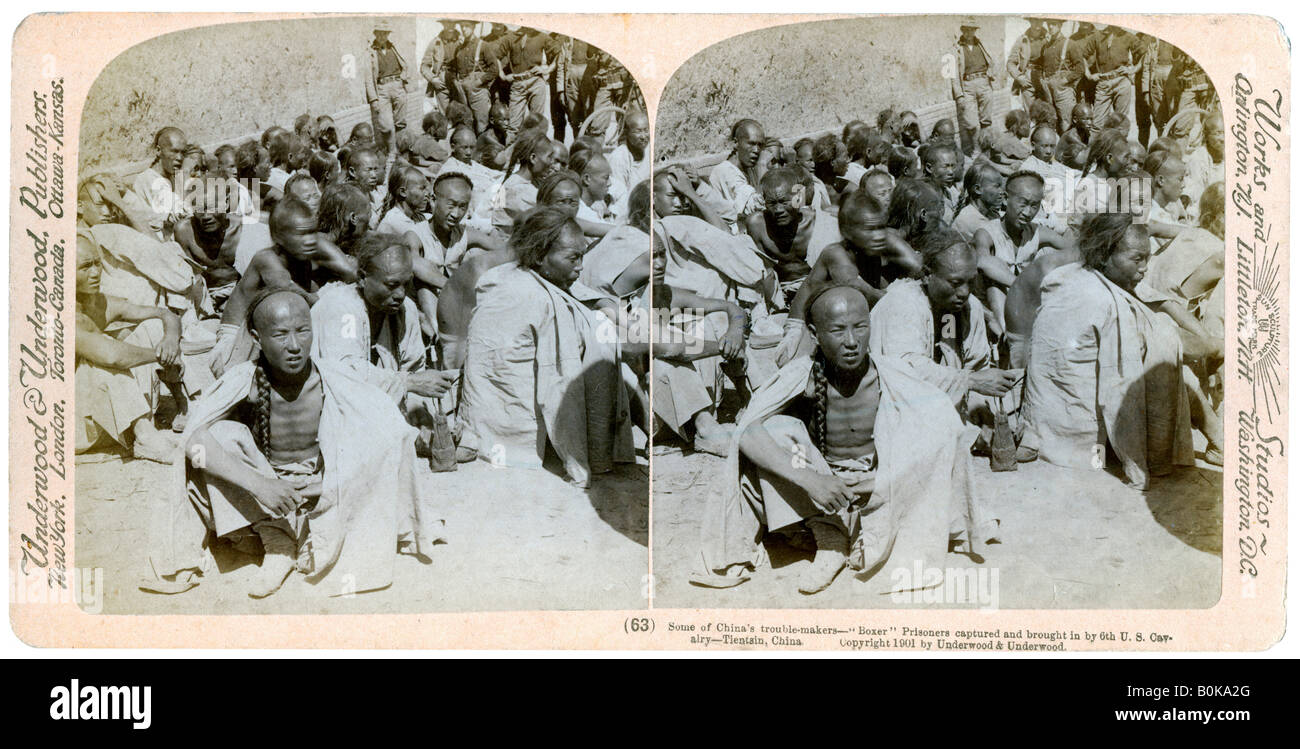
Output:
x,y
518,540
1071,539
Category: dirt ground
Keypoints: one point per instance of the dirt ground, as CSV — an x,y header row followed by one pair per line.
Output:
x,y
1070,539
517,540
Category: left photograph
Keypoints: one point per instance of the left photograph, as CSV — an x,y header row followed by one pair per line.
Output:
x,y
356,305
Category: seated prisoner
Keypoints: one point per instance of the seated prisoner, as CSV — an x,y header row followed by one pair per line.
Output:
x,y
737,177
619,264
297,454
1104,371
296,259
869,250
935,326
881,468
703,256
689,352
1006,244
115,371
372,328
161,186
788,229
539,372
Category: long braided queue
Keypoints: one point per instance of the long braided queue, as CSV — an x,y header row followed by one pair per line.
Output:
x,y
819,394
818,425
261,395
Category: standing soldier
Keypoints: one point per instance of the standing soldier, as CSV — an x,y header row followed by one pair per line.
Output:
x,y
1022,65
605,83
471,75
972,85
434,68
386,87
561,83
1111,59
1149,94
1060,62
530,54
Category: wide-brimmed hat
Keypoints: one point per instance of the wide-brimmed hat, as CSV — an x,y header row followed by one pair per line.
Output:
x,y
968,22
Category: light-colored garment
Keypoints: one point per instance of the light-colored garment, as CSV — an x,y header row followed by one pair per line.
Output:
x,y
854,173
377,198
1105,371
684,389
277,179
596,215
625,172
512,198
165,205
951,195
144,271
742,198
109,401
542,369
369,504
606,261
1165,214
1169,270
709,261
821,197
148,272
1092,195
1017,256
253,238
445,259
1058,181
1201,173
922,486
902,328
342,334
969,218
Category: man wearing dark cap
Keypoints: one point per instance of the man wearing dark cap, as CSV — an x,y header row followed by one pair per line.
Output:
x,y
386,87
972,85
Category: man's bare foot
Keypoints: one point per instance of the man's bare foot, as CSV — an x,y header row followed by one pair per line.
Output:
x,y
151,444
822,572
831,557
716,442
179,421
710,436
277,562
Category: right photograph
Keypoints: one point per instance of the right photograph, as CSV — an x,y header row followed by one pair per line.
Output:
x,y
939,319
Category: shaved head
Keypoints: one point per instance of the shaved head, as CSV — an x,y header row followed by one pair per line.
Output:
x,y
278,305
837,300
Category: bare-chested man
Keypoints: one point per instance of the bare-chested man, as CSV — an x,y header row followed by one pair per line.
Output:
x,y
876,452
867,247
295,259
317,465
787,228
